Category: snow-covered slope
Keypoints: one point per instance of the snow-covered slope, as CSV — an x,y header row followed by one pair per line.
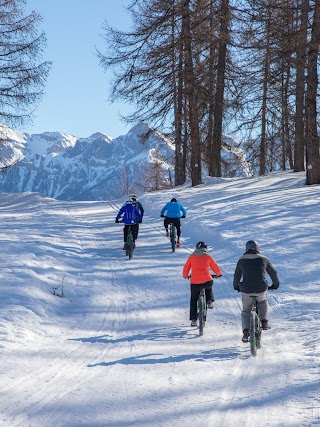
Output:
x,y
65,167
118,349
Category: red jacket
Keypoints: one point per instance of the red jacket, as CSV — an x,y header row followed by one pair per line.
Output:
x,y
200,263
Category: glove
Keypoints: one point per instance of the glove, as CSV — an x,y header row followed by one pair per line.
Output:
x,y
162,216
236,288
274,286
117,221
183,216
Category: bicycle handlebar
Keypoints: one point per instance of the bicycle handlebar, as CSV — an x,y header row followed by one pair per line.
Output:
x,y
214,276
165,216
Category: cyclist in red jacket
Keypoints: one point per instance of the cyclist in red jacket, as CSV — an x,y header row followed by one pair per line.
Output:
x,y
200,263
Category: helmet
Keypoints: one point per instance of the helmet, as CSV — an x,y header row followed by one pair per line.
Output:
x,y
251,244
173,200
201,245
129,202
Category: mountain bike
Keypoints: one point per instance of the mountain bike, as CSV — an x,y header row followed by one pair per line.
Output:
x,y
255,327
172,235
129,242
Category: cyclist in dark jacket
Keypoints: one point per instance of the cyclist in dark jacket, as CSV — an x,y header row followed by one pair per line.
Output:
x,y
131,217
139,207
252,268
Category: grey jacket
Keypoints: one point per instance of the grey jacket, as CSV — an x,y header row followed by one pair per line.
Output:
x,y
252,268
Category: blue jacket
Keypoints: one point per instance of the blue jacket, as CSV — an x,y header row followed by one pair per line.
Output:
x,y
173,210
139,206
130,215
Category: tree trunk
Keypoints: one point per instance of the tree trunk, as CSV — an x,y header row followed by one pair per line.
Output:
x,y
263,142
215,167
177,101
312,146
211,77
299,141
196,177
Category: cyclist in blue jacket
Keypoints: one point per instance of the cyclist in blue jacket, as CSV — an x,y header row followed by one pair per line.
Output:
x,y
174,210
131,217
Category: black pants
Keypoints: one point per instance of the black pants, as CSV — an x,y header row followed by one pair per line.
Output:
x,y
134,231
195,292
175,222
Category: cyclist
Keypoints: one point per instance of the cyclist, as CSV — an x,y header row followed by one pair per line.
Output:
x,y
252,268
200,263
173,209
131,217
139,206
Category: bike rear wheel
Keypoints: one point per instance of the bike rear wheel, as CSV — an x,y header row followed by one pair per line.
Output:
x,y
202,313
255,333
130,243
173,237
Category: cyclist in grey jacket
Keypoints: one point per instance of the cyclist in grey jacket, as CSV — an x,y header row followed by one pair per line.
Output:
x,y
252,268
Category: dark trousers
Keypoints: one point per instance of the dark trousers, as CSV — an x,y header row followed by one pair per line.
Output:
x,y
134,231
195,292
175,222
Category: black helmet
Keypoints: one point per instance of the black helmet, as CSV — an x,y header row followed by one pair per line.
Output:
x,y
251,244
173,200
201,245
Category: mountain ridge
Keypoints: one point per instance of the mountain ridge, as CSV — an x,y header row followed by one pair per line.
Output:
x,y
66,167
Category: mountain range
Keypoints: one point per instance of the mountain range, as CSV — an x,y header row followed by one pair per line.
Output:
x,y
66,167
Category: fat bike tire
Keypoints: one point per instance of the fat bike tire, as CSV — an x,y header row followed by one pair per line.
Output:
x,y
253,333
202,315
173,238
129,250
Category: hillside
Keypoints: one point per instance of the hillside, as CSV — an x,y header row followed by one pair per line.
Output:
x,y
118,349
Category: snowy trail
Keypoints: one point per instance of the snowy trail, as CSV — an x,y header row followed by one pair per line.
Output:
x,y
118,350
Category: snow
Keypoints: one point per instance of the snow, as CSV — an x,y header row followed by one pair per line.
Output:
x,y
118,349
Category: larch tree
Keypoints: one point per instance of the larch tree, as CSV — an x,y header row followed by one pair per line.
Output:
x,y
22,74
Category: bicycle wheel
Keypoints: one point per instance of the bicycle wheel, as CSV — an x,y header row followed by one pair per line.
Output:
x,y
258,332
253,333
129,250
173,237
202,314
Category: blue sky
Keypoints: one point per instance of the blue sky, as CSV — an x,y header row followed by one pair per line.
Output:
x,y
77,90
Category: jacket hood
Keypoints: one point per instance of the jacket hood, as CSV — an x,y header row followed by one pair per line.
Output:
x,y
252,251
200,251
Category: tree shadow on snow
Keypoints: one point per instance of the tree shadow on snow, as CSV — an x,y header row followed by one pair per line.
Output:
x,y
161,334
151,359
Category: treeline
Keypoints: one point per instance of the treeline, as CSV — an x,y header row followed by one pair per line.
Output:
x,y
201,67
